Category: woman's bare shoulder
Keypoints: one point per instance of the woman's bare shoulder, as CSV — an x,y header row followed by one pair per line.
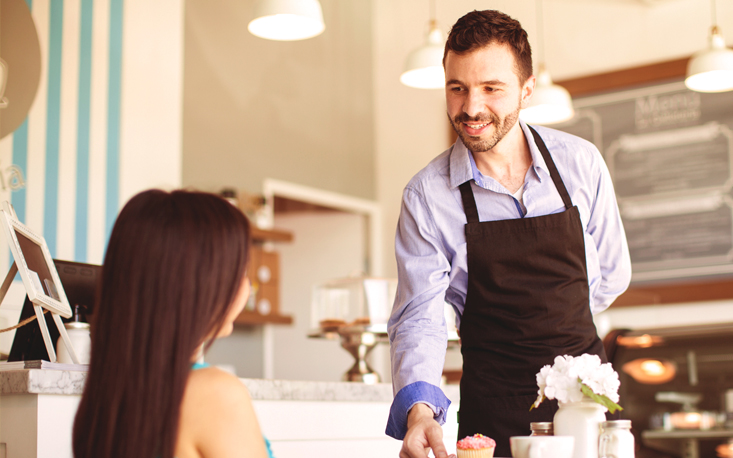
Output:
x,y
216,414
215,385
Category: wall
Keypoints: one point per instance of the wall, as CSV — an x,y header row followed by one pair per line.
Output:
x,y
105,123
583,37
297,111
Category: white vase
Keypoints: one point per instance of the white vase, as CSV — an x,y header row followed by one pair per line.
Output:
x,y
581,420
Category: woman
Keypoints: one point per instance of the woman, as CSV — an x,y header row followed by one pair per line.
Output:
x,y
173,281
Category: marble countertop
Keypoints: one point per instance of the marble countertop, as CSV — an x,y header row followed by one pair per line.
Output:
x,y
42,381
45,381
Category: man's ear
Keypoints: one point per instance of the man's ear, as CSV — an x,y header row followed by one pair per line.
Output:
x,y
528,91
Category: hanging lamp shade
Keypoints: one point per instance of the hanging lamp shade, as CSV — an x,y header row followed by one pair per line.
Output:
x,y
550,103
424,65
287,20
711,70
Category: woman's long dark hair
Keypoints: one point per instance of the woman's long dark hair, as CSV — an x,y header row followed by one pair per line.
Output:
x,y
174,264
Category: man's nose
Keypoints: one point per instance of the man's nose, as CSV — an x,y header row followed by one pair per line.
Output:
x,y
473,104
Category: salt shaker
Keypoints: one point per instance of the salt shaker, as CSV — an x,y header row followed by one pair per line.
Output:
x,y
616,440
541,428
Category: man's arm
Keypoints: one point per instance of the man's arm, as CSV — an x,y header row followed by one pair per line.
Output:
x,y
417,327
607,230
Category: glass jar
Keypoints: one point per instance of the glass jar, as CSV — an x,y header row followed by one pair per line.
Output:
x,y
541,428
616,440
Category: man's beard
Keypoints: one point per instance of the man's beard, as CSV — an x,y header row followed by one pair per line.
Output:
x,y
501,127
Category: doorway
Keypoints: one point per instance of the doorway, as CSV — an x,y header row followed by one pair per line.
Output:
x,y
334,236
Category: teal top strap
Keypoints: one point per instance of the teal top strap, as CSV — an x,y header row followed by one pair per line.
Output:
x,y
267,446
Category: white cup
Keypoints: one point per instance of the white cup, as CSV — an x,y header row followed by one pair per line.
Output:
x,y
542,446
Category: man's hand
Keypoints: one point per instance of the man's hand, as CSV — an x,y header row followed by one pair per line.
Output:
x,y
423,434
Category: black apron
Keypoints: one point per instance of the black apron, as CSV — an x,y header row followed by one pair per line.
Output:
x,y
527,302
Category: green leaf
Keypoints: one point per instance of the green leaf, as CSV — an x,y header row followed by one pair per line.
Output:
x,y
601,399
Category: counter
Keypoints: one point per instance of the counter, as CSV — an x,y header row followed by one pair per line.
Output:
x,y
302,419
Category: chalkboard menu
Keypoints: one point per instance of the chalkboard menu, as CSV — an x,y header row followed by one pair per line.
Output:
x,y
670,154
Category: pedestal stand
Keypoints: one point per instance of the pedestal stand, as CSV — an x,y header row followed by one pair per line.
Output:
x,y
360,341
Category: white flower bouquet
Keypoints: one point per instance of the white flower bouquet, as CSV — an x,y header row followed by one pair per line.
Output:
x,y
570,378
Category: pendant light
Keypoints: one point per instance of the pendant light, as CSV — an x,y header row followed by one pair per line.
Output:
x,y
287,20
424,65
550,103
711,70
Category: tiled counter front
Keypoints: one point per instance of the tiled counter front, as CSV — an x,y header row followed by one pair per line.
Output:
x,y
301,419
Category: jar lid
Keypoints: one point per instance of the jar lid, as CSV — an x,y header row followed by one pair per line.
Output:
x,y
540,425
616,424
76,325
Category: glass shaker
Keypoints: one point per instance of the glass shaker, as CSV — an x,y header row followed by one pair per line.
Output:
x,y
541,428
616,440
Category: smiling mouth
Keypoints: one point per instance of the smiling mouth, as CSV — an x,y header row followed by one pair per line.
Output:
x,y
475,130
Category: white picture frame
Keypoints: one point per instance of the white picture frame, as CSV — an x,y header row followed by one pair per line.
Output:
x,y
35,265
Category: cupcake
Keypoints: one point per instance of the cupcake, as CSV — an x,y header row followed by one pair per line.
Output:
x,y
476,446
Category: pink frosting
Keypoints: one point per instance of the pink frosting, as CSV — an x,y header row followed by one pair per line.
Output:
x,y
476,442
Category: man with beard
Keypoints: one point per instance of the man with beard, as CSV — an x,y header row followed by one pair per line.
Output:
x,y
518,229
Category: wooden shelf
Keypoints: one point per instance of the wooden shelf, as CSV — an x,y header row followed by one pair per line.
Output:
x,y
270,235
251,318
678,292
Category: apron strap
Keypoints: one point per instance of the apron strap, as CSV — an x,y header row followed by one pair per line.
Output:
x,y
553,170
469,202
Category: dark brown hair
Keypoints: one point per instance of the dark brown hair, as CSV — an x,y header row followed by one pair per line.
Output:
x,y
174,264
482,28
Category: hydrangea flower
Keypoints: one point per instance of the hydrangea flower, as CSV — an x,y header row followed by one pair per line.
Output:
x,y
570,378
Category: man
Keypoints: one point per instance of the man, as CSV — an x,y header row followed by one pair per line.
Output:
x,y
518,229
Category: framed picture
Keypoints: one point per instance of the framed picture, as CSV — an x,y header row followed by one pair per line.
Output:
x,y
34,264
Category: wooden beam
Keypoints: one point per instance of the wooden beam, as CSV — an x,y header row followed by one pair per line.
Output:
x,y
628,77
270,235
248,317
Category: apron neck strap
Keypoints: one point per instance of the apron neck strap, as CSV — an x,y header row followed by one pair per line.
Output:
x,y
553,170
469,202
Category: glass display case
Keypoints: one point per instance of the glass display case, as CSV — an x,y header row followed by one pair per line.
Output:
x,y
676,388
352,301
355,310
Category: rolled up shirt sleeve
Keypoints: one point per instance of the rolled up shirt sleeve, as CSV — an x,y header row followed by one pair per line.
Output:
x,y
417,326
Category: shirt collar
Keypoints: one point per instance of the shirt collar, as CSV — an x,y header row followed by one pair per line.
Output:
x,y
463,166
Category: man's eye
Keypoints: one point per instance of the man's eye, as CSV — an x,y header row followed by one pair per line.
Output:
x,y
489,89
456,89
